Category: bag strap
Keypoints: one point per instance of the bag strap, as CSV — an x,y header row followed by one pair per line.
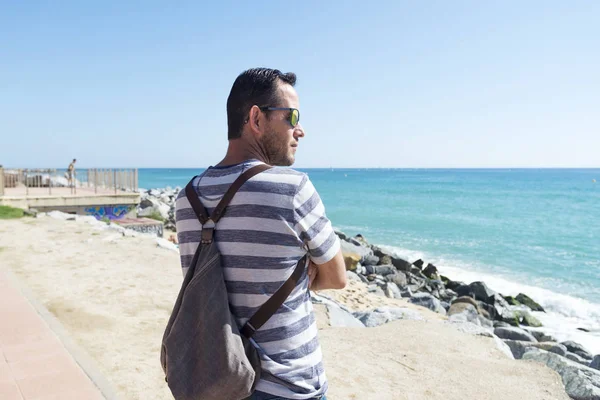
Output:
x,y
200,211
269,308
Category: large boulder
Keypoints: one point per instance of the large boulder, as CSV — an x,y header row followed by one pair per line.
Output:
x,y
392,291
401,264
514,334
458,308
581,382
481,291
342,318
527,301
354,250
577,359
519,347
578,349
431,272
398,278
384,270
428,301
382,315
595,362
541,336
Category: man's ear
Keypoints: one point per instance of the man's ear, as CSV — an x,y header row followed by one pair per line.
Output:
x,y
255,119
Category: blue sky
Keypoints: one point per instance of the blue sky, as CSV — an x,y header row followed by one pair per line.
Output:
x,y
381,84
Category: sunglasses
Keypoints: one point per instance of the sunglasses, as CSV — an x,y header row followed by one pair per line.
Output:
x,y
294,115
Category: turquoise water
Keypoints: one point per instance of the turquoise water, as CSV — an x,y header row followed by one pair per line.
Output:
x,y
523,229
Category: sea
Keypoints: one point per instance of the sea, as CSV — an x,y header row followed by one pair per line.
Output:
x,y
532,231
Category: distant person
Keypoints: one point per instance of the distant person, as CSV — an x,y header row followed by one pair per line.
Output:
x,y
71,172
274,220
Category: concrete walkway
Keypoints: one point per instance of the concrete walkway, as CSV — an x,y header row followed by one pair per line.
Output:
x,y
34,363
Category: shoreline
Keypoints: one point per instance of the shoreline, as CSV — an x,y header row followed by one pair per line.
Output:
x,y
561,319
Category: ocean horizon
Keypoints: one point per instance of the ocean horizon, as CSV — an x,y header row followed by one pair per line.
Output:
x,y
530,230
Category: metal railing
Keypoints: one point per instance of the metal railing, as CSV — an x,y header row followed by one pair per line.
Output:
x,y
43,181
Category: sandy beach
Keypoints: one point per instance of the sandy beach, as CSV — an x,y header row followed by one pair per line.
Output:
x,y
113,294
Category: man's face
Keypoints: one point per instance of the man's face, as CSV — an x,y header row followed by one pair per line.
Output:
x,y
280,139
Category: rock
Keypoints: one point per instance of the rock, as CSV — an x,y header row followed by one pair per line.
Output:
x,y
339,317
355,250
577,359
595,362
583,329
360,239
541,336
512,301
464,291
352,262
470,328
352,276
382,315
518,347
376,290
398,278
486,309
447,295
459,308
385,260
581,382
514,334
341,235
392,291
481,291
446,305
428,301
527,301
502,324
555,348
431,272
452,285
419,263
370,260
466,299
147,203
578,349
462,312
530,320
406,292
384,270
401,264
503,347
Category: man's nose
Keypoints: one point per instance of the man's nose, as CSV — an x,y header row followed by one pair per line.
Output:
x,y
299,131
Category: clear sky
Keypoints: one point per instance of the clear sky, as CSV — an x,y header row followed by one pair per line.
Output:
x,y
382,84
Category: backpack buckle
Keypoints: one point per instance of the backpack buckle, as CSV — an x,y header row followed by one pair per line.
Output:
x,y
207,235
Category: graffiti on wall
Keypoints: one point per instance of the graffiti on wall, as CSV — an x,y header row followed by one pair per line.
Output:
x,y
110,212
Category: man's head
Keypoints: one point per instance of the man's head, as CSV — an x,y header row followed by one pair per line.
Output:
x,y
74,160
263,113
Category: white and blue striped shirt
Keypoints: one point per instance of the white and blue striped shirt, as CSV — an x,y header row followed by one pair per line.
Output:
x,y
270,224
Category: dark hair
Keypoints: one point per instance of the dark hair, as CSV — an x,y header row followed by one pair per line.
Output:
x,y
256,86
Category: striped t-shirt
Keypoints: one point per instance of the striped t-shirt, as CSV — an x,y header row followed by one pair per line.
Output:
x,y
270,224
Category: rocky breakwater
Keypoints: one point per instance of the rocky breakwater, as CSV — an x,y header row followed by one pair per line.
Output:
x,y
473,307
159,204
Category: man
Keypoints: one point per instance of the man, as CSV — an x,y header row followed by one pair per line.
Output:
x,y
271,223
71,172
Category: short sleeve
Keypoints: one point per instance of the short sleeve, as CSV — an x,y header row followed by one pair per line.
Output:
x,y
312,225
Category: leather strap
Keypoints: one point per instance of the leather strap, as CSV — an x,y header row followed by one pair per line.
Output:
x,y
217,213
269,308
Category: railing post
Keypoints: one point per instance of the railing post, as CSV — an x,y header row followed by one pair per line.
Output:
x,y
115,179
95,180
1,181
50,182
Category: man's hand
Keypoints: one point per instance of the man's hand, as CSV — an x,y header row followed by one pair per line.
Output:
x,y
312,273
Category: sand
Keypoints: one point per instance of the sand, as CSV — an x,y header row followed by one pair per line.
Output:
x,y
113,294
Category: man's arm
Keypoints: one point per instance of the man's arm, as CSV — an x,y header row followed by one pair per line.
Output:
x,y
331,275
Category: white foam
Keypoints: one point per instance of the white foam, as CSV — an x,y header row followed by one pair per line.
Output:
x,y
564,313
